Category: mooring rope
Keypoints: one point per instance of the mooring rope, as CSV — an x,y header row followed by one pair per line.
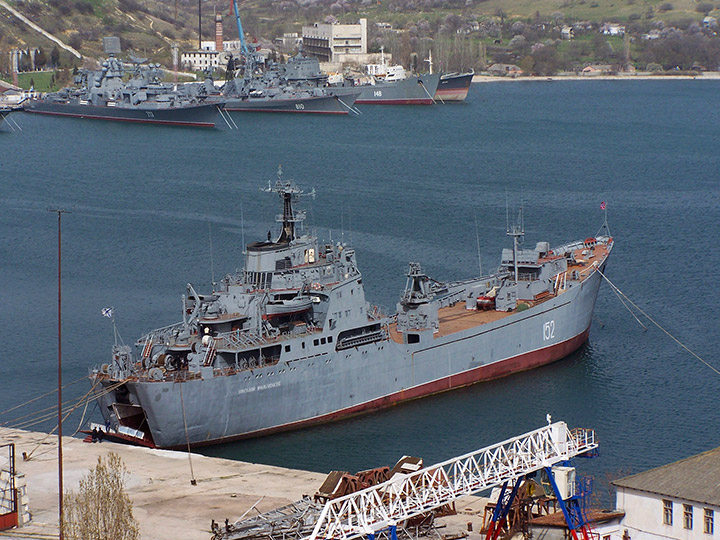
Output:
x,y
37,417
41,396
83,399
187,437
649,318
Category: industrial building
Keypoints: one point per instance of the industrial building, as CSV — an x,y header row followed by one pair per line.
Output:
x,y
336,43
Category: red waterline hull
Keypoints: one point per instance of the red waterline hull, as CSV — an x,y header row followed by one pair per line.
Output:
x,y
496,370
427,101
132,120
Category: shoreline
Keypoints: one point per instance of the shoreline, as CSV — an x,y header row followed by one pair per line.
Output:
x,y
158,483
640,76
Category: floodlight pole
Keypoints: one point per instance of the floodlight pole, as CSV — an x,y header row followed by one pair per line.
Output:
x,y
60,212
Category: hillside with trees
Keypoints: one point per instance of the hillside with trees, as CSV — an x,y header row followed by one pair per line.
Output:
x,y
542,37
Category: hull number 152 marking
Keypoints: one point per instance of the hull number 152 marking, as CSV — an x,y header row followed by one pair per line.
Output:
x,y
548,330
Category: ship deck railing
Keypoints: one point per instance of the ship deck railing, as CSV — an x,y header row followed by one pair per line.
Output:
x,y
239,340
163,332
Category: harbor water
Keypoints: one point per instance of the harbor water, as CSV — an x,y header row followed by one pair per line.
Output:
x,y
154,208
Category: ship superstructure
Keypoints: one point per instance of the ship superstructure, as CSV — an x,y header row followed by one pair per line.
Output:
x,y
291,340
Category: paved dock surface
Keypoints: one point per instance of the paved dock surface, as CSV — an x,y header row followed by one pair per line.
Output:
x,y
165,503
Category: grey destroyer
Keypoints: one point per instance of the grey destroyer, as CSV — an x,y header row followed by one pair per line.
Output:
x,y
290,340
105,95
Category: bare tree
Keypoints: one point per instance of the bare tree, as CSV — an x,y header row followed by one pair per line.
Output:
x,y
101,509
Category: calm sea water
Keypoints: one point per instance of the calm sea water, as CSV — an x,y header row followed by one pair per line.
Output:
x,y
400,184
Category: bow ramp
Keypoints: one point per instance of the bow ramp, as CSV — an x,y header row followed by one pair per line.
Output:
x,y
406,496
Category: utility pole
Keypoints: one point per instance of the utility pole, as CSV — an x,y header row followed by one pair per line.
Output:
x,y
199,25
60,212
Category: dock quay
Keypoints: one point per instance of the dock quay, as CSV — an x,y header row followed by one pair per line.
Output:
x,y
165,503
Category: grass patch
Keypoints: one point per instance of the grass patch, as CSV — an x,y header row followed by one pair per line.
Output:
x,y
43,81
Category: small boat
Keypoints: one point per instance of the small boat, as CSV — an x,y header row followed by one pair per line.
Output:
x,y
285,307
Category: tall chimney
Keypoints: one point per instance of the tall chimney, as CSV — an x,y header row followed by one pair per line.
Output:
x,y
15,54
218,33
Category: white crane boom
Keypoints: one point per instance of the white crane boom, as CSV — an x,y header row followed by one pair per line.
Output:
x,y
406,496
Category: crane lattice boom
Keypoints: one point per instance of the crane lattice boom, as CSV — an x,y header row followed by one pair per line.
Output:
x,y
407,496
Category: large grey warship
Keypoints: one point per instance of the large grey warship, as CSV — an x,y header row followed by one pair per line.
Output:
x,y
291,341
104,95
383,85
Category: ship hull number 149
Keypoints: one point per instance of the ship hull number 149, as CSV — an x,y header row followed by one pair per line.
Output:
x,y
548,330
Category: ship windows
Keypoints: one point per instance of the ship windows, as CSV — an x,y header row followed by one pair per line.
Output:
x,y
316,342
303,344
283,264
260,280
323,341
413,338
329,339
287,348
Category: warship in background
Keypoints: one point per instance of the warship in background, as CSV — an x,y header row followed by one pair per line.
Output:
x,y
382,85
291,341
104,95
262,87
452,86
254,85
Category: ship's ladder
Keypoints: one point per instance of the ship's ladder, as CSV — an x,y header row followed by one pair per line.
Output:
x,y
147,348
405,496
574,509
210,354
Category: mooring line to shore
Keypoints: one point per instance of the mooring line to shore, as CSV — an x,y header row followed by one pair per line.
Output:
x,y
43,415
83,399
649,318
41,396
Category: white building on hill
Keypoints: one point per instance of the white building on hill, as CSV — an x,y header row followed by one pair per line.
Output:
x,y
336,42
680,500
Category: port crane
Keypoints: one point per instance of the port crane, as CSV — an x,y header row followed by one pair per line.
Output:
x,y
380,508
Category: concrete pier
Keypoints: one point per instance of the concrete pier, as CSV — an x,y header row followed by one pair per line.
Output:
x,y
165,503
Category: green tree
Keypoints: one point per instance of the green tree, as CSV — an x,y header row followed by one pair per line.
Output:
x,y
101,509
55,57
40,59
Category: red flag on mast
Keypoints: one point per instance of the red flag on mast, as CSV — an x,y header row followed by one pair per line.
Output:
x,y
602,205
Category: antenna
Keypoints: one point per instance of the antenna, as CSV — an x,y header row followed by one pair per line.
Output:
x,y
507,215
350,226
212,265
477,238
242,228
342,223
517,232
